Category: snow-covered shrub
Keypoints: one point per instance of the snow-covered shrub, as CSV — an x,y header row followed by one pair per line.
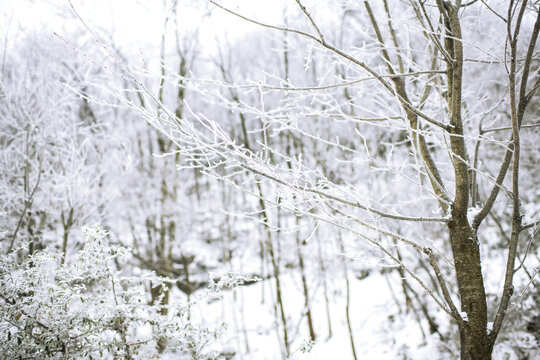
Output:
x,y
89,309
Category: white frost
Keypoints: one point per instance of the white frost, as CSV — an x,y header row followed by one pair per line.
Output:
x,y
472,212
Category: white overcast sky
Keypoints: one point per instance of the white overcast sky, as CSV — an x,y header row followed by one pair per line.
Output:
x,y
134,22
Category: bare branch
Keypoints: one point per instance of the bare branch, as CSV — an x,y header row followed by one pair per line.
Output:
x,y
363,65
527,126
442,283
493,11
530,226
519,113
517,116
343,201
304,10
264,24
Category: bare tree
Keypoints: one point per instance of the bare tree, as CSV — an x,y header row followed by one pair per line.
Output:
x,y
416,123
408,135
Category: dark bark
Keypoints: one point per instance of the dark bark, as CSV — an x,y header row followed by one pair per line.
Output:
x,y
473,333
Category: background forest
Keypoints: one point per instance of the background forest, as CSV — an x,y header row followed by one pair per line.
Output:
x,y
269,179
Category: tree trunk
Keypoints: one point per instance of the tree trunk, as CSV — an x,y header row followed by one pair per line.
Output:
x,y
307,302
347,297
474,338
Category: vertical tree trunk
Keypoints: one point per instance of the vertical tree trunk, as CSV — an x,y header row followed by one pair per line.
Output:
x,y
347,297
67,223
322,266
474,338
475,344
276,273
307,302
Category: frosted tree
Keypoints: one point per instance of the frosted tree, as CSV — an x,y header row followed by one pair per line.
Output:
x,y
53,169
421,124
402,130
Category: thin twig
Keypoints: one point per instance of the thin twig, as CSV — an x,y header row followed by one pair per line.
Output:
x,y
343,201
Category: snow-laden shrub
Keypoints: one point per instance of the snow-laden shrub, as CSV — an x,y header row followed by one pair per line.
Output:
x,y
88,309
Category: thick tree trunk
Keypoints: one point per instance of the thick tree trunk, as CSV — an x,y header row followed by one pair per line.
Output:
x,y
474,337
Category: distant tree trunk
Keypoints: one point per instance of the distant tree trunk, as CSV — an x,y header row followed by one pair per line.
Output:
x,y
276,272
307,302
322,267
347,297
67,223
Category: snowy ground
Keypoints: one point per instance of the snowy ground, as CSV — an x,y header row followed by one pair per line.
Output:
x,y
250,315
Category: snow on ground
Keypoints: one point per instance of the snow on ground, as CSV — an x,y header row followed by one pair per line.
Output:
x,y
377,335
